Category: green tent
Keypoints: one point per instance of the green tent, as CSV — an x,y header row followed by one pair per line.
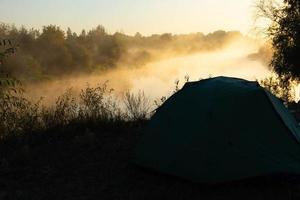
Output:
x,y
221,129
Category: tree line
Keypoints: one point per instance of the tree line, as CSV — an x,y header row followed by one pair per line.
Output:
x,y
53,52
284,33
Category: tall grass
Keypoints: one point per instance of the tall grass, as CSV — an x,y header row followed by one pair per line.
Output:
x,y
138,105
94,105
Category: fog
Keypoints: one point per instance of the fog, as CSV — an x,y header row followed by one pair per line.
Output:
x,y
50,61
157,78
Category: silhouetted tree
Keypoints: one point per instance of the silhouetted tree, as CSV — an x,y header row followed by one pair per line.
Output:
x,y
285,34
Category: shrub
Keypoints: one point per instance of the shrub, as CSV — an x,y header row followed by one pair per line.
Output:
x,y
98,103
17,114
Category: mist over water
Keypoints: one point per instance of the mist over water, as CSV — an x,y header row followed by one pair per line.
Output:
x,y
231,61
157,78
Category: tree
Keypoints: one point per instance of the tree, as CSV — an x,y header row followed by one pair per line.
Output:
x,y
7,48
284,30
54,57
9,86
71,35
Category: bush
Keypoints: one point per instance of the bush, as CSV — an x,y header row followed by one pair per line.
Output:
x,y
18,115
96,105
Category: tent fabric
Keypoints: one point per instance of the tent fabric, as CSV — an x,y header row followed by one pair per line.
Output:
x,y
221,129
286,116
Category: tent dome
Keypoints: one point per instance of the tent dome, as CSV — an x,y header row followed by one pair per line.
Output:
x,y
221,129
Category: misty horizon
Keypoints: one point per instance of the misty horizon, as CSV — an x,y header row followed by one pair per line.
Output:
x,y
134,63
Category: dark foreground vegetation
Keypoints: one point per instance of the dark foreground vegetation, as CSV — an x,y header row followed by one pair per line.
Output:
x,y
76,162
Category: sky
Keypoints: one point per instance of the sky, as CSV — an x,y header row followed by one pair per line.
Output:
x,y
131,16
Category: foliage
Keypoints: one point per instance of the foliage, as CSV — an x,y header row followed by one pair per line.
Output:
x,y
98,103
52,52
18,115
284,31
280,86
10,89
7,83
